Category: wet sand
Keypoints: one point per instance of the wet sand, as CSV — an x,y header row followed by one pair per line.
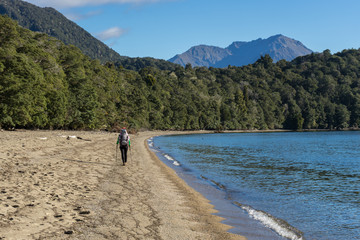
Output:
x,y
68,185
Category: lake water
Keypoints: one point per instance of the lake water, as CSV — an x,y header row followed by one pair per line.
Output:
x,y
290,185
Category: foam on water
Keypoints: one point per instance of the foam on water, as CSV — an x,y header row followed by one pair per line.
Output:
x,y
280,226
168,157
151,142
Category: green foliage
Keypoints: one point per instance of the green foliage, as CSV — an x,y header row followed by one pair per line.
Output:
x,y
47,84
137,64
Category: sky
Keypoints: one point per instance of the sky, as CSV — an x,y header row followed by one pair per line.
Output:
x,y
164,28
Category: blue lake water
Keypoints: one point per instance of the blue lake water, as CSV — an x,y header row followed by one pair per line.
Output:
x,y
298,185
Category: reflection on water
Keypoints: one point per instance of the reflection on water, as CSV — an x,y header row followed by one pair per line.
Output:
x,y
311,180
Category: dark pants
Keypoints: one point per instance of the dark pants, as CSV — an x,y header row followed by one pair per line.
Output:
x,y
123,150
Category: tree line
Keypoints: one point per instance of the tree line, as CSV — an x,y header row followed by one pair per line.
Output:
x,y
46,84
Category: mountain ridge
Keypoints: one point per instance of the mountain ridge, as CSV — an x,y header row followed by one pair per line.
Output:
x,y
52,22
240,53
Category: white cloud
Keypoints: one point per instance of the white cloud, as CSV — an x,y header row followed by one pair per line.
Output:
x,y
77,16
80,3
110,33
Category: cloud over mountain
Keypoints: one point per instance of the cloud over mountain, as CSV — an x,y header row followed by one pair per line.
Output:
x,y
79,16
111,33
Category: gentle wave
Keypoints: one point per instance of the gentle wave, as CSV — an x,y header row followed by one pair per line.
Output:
x,y
280,226
167,156
176,163
151,143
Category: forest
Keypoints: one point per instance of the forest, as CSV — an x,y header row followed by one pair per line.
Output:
x,y
45,84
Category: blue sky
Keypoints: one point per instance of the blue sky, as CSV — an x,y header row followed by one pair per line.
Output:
x,y
164,28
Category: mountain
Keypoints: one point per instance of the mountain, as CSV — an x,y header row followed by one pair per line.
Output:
x,y
242,53
201,55
53,23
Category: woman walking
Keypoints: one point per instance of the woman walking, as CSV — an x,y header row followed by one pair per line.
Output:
x,y
124,141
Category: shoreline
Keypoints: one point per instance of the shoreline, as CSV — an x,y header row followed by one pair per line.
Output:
x,y
170,151
217,194
67,185
200,204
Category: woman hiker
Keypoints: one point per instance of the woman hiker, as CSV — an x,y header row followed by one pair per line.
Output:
x,y
124,141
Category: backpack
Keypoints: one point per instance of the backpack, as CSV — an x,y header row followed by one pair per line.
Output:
x,y
123,139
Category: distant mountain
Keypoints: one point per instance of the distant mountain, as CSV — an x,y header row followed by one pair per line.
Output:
x,y
242,53
53,23
201,55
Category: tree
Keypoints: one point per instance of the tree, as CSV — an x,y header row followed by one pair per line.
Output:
x,y
294,119
342,117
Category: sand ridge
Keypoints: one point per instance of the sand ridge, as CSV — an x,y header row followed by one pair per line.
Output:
x,y
67,185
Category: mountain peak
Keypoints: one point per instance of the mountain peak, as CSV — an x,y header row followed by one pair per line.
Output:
x,y
241,53
279,35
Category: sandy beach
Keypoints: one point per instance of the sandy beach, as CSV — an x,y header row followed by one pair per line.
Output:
x,y
68,185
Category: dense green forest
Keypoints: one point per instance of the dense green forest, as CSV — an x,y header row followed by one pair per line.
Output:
x,y
48,85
